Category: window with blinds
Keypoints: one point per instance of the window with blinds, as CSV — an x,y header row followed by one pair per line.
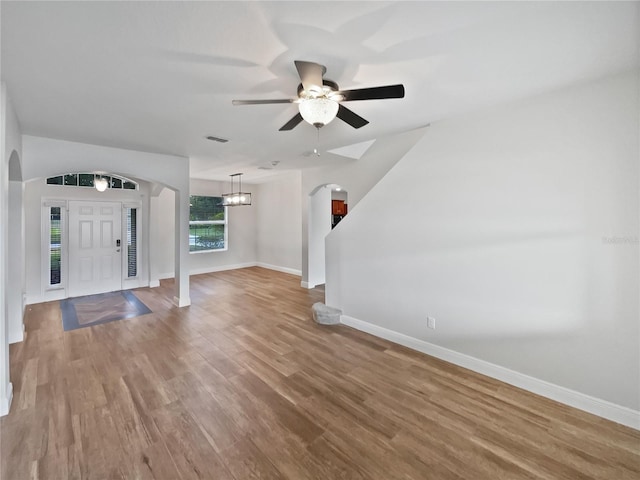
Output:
x,y
55,246
132,242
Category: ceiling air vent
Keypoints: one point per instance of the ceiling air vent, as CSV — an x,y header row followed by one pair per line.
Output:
x,y
273,163
216,139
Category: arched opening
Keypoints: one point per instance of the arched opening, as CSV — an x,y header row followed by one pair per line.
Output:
x,y
15,170
49,157
67,208
328,205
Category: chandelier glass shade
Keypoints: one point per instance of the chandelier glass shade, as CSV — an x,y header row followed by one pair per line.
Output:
x,y
318,111
236,199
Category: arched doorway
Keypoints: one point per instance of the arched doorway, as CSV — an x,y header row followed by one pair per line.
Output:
x,y
328,205
94,235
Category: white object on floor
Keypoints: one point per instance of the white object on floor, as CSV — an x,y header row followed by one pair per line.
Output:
x,y
325,315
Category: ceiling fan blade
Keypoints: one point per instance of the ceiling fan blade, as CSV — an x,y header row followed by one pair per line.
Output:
x,y
262,102
373,93
350,117
310,74
291,123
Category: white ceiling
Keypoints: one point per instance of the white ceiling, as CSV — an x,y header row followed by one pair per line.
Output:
x,y
160,76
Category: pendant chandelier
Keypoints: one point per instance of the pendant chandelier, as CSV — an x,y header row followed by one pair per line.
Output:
x,y
236,199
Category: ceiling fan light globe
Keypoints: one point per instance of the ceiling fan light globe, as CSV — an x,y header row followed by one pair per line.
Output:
x,y
318,111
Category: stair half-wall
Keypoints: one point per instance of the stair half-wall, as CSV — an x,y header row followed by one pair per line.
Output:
x,y
516,229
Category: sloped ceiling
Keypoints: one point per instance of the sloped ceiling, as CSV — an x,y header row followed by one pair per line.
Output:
x,y
160,76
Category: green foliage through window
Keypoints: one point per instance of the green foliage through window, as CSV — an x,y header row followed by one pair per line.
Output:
x,y
207,224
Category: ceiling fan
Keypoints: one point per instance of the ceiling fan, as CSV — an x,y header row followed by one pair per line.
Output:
x,y
319,99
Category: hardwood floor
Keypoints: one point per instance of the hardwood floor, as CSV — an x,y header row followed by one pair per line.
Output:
x,y
242,385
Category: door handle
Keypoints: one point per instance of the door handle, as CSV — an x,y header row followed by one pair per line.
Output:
x,y
118,243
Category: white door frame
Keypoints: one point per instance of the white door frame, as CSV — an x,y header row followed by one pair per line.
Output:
x,y
61,291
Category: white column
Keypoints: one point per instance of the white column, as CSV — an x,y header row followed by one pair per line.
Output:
x,y
6,388
319,226
181,298
154,232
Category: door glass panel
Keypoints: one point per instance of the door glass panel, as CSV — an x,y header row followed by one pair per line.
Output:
x,y
55,246
132,242
55,180
71,179
85,179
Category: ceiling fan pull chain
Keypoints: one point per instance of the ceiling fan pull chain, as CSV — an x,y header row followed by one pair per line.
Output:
x,y
317,149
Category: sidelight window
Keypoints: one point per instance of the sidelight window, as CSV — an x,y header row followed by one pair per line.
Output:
x,y
55,246
54,269
131,246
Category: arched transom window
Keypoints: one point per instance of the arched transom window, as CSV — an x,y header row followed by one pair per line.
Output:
x,y
88,180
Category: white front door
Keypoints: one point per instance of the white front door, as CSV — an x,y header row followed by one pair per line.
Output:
x,y
95,261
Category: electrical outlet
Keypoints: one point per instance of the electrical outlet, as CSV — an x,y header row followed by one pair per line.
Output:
x,y
431,323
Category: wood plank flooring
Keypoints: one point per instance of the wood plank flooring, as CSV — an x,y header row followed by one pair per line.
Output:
x,y
243,385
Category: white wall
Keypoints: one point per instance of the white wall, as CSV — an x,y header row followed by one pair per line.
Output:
x,y
341,195
11,142
319,220
242,235
279,223
505,238
161,260
355,176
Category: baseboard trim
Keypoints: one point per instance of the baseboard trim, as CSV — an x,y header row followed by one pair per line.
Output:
x,y
5,403
182,301
33,299
217,268
292,271
306,285
17,338
234,266
51,296
221,268
602,408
